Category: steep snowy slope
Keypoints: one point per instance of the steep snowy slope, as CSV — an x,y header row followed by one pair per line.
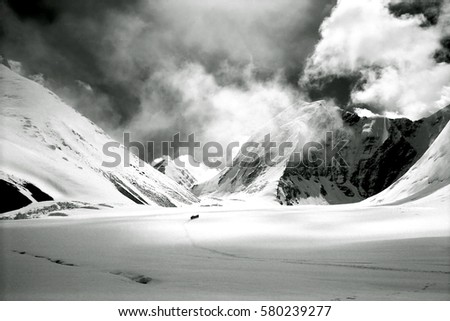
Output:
x,y
429,175
50,151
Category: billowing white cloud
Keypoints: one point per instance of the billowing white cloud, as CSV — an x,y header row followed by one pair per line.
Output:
x,y
221,113
394,56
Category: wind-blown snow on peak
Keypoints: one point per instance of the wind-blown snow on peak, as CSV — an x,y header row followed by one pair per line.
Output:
x,y
46,143
259,174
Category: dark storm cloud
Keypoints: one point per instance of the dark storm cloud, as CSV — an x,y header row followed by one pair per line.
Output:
x,y
37,10
335,87
117,47
63,41
429,8
443,54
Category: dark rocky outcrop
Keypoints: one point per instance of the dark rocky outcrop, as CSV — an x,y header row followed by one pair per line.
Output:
x,y
15,196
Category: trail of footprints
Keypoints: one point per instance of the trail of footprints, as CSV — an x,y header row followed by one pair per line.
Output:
x,y
138,278
142,279
60,262
349,298
133,277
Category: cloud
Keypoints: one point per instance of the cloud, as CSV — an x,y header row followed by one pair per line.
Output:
x,y
129,54
430,9
220,113
393,56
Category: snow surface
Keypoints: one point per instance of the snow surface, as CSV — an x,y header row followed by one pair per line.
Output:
x,y
47,143
249,251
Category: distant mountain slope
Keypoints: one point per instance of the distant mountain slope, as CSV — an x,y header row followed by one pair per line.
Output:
x,y
428,175
379,151
184,170
50,151
182,176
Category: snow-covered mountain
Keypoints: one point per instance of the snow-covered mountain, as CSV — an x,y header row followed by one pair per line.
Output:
x,y
430,174
182,176
257,177
379,151
184,170
51,152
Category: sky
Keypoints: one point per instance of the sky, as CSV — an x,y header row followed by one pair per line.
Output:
x,y
223,68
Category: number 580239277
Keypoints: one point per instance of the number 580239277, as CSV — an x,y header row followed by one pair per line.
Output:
x,y
295,311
